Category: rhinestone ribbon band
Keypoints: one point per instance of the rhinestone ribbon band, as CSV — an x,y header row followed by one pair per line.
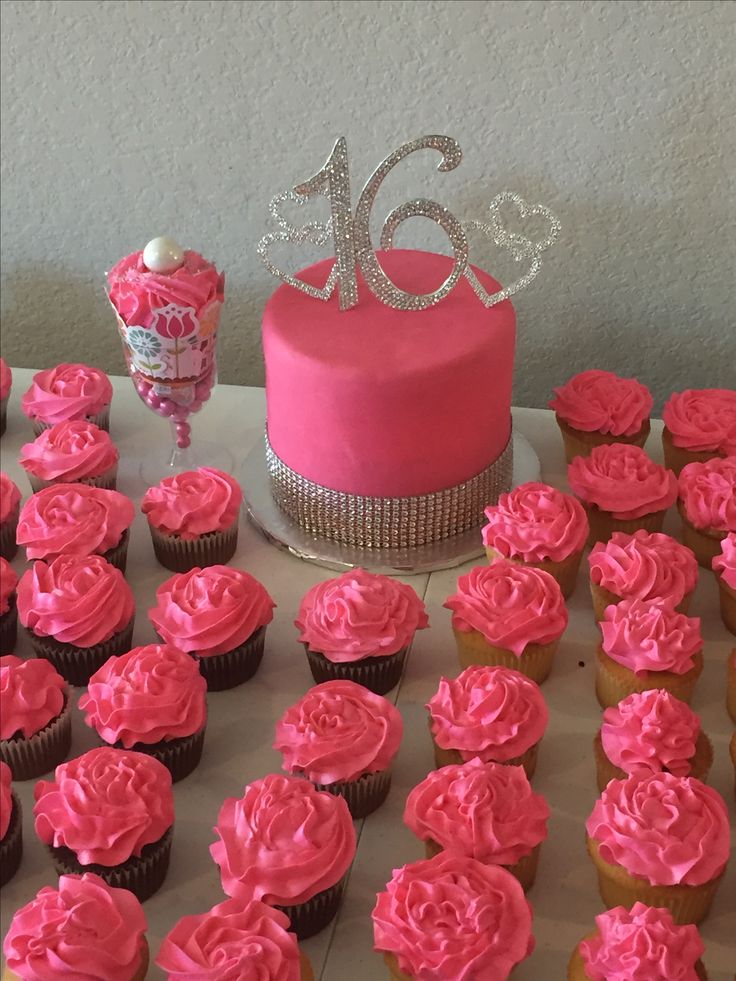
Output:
x,y
388,522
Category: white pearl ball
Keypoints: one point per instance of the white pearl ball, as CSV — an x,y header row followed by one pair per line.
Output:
x,y
163,255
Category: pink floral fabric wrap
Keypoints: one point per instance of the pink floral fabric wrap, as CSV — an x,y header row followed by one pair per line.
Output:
x,y
702,419
193,503
650,637
535,523
708,493
622,480
598,401
68,391
69,451
725,563
646,566
651,731
32,693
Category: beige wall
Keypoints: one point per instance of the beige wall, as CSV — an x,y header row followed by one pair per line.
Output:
x,y
122,120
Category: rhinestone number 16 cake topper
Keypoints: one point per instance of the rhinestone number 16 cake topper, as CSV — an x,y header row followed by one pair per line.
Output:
x,y
352,239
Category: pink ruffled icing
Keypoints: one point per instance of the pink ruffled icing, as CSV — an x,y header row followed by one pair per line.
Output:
x,y
9,498
708,493
644,636
651,731
622,480
647,566
535,523
451,918
210,611
105,805
641,944
359,614
69,451
6,379
76,599
725,563
702,419
32,693
282,841
483,810
493,713
511,605
234,941
150,694
8,582
83,930
598,401
193,503
68,391
339,731
6,798
73,519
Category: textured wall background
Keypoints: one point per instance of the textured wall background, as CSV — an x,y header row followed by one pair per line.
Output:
x,y
122,120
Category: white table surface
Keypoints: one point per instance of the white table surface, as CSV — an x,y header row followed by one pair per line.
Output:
x,y
241,722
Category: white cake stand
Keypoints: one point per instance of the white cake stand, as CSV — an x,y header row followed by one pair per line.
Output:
x,y
280,530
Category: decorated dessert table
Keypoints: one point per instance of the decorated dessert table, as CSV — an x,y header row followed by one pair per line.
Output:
x,y
240,732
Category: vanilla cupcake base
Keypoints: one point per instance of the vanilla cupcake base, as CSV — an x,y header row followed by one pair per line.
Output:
x,y
727,600
677,457
578,442
613,681
700,763
604,523
704,543
576,967
525,870
453,757
565,571
603,598
535,660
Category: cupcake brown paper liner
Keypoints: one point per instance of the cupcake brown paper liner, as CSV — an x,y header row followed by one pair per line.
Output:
x,y
106,480
8,544
377,674
118,556
179,756
77,664
364,795
677,457
308,918
603,523
223,671
11,847
38,754
100,419
9,628
180,555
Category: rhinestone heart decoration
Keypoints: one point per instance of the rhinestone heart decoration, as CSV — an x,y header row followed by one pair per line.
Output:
x,y
313,232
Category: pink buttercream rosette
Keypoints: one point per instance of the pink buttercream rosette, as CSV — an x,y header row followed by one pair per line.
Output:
x,y
71,451
68,391
600,401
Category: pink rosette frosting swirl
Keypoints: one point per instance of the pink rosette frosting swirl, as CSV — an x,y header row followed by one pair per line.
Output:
x,y
645,636
669,830
76,599
234,941
32,693
8,582
105,805
6,798
511,605
702,419
725,563
210,611
68,391
69,451
339,731
151,694
82,931
483,810
73,519
641,944
451,918
645,565
651,731
622,480
598,401
495,714
193,503
359,614
708,493
135,291
9,498
6,379
535,523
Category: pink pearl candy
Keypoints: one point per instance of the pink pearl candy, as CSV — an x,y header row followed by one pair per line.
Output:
x,y
169,409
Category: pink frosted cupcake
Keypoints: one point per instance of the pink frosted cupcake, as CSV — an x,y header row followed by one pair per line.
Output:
x,y
82,929
597,407
621,490
452,917
68,391
652,567
359,627
151,700
78,611
698,424
661,840
9,511
230,942
539,526
35,716
644,646
343,738
6,381
11,827
193,518
288,844
71,452
110,811
218,615
724,567
484,811
510,615
494,714
75,519
707,506
640,944
653,732
8,609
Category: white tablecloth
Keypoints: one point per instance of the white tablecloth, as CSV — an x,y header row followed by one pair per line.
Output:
x,y
241,722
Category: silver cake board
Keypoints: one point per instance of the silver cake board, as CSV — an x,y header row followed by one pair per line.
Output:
x,y
278,528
